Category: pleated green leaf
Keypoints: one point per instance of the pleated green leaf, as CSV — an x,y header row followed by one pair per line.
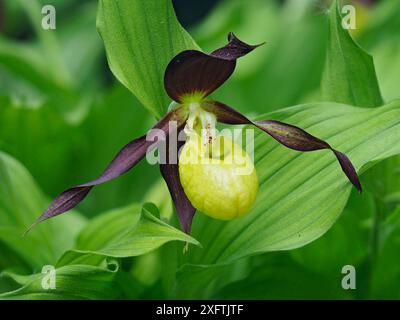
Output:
x,y
125,232
74,282
21,201
349,75
279,277
140,38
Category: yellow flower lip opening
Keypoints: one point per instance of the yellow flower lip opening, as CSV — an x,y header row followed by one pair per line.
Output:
x,y
221,180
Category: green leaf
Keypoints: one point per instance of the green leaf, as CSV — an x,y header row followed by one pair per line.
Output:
x,y
23,78
50,48
386,271
301,194
346,241
201,281
47,67
278,277
159,194
55,146
383,181
72,282
78,34
23,64
387,68
125,232
21,202
140,38
349,75
52,146
380,36
383,24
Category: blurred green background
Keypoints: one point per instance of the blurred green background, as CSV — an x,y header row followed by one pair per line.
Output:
x,y
63,116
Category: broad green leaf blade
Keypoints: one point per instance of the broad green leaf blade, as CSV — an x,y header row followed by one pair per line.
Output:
x,y
383,181
346,241
383,41
387,68
72,282
279,277
125,232
79,34
48,67
52,146
140,38
380,35
48,42
301,194
202,281
349,75
21,202
55,146
386,271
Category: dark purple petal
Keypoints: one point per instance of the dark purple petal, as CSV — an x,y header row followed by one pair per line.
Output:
x,y
128,157
290,136
184,209
193,72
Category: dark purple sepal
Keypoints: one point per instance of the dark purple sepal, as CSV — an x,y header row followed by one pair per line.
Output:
x,y
127,158
348,169
194,73
290,136
234,49
184,208
170,173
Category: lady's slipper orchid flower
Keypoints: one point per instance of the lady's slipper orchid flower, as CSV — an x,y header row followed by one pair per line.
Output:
x,y
213,187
